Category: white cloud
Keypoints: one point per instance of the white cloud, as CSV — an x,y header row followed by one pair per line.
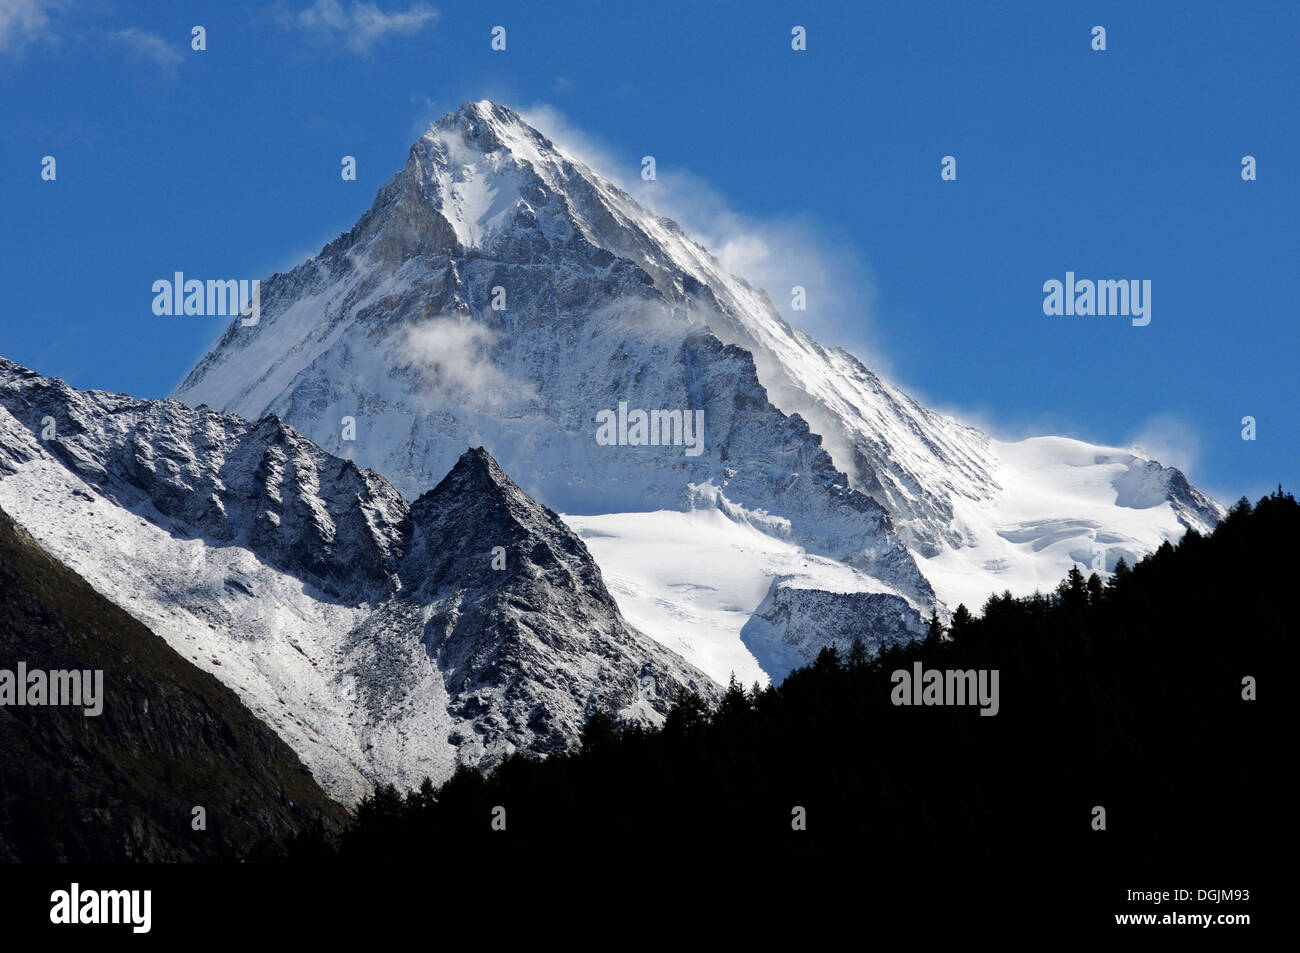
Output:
x,y
149,46
1170,440
25,22
358,26
453,356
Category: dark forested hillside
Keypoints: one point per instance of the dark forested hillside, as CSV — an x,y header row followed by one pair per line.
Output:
x,y
123,785
1130,696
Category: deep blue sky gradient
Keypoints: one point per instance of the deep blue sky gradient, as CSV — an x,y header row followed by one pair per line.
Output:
x,y
1122,164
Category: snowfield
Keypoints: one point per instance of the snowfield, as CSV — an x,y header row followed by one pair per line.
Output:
x,y
695,579
1062,503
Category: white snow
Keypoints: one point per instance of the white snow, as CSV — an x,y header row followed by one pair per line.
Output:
x,y
1058,507
693,579
480,191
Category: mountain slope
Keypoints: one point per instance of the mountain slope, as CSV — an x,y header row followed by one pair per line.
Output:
x,y
373,634
501,292
122,785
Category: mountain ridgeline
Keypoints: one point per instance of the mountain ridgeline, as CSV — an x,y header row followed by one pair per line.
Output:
x,y
385,640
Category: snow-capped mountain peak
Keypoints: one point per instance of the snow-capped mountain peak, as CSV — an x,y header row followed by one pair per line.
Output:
x,y
500,292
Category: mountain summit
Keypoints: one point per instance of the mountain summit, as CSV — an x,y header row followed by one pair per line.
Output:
x,y
501,293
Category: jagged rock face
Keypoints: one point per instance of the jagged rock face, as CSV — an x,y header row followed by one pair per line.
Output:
x,y
260,486
499,292
794,623
375,635
501,570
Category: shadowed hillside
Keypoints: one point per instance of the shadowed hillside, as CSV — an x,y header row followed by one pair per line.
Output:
x,y
122,785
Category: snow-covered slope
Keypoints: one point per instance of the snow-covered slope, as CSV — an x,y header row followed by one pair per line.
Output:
x,y
1063,502
383,640
501,292
727,596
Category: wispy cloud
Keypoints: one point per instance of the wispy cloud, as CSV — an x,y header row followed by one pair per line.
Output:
x,y
24,23
358,26
1170,439
149,46
453,358
775,253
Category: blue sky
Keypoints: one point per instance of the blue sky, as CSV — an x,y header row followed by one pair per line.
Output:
x,y
818,168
